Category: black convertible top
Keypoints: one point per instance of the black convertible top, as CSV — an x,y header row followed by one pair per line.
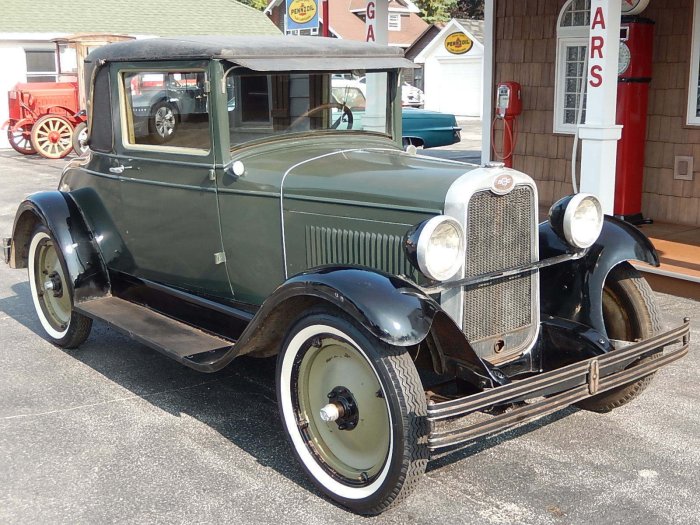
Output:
x,y
261,53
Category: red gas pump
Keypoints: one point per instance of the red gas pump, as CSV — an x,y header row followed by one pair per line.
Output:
x,y
509,105
636,47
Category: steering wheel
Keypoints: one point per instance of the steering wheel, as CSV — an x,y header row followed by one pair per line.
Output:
x,y
346,113
174,83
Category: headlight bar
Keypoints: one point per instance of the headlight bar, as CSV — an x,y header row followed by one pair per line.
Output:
x,y
470,282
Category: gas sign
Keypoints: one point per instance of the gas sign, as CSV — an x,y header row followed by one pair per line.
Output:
x,y
458,43
301,14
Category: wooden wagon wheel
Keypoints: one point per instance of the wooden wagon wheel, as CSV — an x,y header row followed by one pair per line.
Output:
x,y
20,136
52,136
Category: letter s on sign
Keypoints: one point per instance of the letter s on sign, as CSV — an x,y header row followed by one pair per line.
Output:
x,y
596,73
370,10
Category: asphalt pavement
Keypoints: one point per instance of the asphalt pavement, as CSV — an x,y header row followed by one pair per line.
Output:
x,y
116,433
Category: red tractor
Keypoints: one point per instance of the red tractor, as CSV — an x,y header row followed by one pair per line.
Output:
x,y
47,117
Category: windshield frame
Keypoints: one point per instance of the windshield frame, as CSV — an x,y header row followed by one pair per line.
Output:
x,y
393,107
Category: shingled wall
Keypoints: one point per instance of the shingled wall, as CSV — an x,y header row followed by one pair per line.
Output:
x,y
525,51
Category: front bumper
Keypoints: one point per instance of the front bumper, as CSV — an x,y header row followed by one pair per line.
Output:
x,y
452,422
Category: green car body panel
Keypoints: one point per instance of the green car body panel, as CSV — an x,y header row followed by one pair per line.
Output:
x,y
324,188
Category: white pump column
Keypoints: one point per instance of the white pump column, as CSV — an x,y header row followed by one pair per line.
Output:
x,y
600,133
376,30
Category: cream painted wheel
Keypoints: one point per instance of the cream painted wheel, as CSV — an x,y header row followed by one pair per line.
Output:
x,y
51,292
52,136
354,410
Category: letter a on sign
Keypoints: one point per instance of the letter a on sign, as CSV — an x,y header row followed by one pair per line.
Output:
x,y
370,16
598,19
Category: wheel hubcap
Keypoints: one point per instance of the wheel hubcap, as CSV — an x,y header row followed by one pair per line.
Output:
x,y
343,420
49,277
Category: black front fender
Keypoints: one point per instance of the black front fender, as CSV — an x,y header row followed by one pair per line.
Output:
x,y
390,308
574,290
84,263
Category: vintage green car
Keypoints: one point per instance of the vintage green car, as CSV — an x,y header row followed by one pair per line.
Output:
x,y
414,304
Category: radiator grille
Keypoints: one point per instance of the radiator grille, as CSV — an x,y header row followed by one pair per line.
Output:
x,y
339,246
499,235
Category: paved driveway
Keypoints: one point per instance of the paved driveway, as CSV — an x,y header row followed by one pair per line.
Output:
x,y
116,433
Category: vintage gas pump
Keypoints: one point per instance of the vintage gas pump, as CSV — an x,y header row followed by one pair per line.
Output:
x,y
636,46
509,105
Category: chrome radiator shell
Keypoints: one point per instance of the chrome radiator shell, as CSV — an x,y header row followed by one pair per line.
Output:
x,y
500,318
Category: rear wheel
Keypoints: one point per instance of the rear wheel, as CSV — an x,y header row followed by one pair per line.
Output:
x,y
630,314
51,292
20,137
354,410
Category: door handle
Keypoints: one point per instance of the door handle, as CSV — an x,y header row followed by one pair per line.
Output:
x,y
119,169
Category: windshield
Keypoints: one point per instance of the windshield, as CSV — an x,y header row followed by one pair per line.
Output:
x,y
264,105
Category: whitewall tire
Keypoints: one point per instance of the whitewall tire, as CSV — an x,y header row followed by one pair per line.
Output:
x,y
354,411
51,292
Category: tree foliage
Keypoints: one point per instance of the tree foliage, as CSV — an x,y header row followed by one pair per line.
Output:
x,y
469,9
436,10
257,4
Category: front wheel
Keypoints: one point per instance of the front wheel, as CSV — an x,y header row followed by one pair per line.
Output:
x,y
163,122
51,292
79,138
630,314
354,410
52,136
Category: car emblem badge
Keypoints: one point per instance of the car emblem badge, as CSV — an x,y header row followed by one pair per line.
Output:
x,y
502,184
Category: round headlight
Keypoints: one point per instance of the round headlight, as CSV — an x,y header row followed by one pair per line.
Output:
x,y
440,249
583,220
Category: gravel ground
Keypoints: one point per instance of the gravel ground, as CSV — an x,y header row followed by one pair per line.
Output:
x,y
116,433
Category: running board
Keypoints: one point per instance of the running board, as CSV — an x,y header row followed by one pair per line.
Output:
x,y
177,340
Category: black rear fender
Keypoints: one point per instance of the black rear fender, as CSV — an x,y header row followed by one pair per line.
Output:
x,y
59,213
574,290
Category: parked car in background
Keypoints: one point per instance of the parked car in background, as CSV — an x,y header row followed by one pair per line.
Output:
x,y
420,127
411,96
414,304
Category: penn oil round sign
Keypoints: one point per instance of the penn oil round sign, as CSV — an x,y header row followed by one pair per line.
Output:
x,y
302,11
458,43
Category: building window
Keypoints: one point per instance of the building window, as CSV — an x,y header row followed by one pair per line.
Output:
x,y
572,46
394,22
41,66
694,88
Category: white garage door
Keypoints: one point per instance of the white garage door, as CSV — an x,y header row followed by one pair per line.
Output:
x,y
460,87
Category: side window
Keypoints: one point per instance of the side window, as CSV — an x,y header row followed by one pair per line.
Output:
x,y
169,108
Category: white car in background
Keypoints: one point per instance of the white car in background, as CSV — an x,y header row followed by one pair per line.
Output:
x,y
411,96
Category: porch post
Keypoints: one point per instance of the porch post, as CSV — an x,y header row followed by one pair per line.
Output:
x,y
488,72
600,133
376,30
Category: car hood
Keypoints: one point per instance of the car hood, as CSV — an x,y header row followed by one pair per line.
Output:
x,y
374,177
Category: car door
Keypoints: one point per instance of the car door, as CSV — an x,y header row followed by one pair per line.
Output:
x,y
166,161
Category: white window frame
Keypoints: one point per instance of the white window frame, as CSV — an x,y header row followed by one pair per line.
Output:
x,y
32,74
566,36
397,24
693,86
